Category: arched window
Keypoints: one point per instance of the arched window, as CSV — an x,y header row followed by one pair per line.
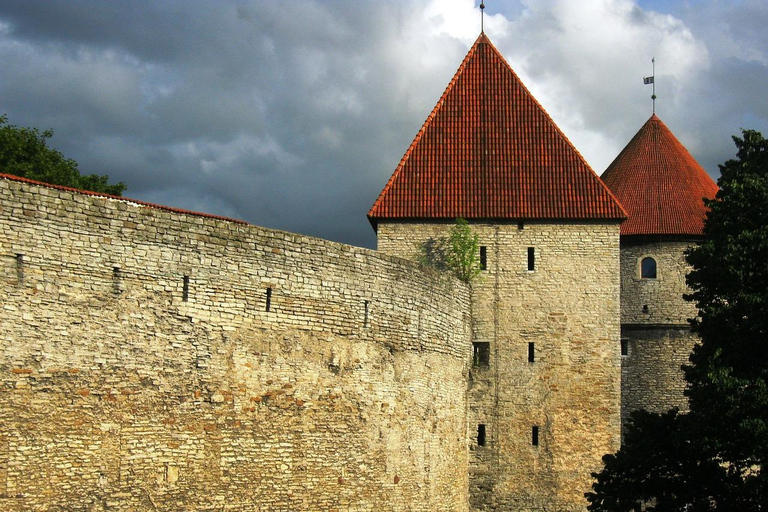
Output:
x,y
648,268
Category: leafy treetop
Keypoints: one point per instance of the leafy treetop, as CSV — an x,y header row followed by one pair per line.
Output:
x,y
713,457
24,152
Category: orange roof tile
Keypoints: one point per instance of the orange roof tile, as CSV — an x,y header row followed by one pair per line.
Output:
x,y
660,184
489,150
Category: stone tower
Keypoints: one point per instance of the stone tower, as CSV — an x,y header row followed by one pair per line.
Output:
x,y
544,384
661,187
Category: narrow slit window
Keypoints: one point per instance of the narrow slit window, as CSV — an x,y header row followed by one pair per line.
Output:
x,y
268,305
535,435
185,289
531,258
481,435
531,352
483,257
624,346
520,225
20,268
648,268
116,278
481,354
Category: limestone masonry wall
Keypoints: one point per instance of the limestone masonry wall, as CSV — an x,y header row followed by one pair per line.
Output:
x,y
154,360
651,374
655,328
564,312
660,300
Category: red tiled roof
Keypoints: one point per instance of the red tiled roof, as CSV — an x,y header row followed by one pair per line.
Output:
x,y
489,150
659,184
11,177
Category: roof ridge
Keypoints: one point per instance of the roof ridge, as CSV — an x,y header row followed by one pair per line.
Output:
x,y
538,104
431,116
660,183
489,149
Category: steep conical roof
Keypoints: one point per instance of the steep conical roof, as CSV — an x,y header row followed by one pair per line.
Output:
x,y
659,184
489,150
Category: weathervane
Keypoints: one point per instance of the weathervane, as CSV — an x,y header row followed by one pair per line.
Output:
x,y
482,15
650,80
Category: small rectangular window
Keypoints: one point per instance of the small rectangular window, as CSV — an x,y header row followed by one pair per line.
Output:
x,y
268,305
624,346
481,354
116,279
531,352
483,257
20,269
531,258
481,435
520,225
535,435
185,289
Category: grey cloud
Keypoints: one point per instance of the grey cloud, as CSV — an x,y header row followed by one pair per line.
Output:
x,y
294,114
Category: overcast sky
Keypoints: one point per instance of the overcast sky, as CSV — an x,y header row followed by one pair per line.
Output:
x,y
292,114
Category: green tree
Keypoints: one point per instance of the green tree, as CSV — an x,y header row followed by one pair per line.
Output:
x,y
24,152
712,458
459,252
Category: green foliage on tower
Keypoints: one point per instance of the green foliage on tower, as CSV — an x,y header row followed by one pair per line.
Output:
x,y
458,252
463,251
24,152
714,457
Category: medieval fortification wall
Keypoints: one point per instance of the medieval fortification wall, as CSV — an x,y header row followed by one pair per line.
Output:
x,y
157,360
546,308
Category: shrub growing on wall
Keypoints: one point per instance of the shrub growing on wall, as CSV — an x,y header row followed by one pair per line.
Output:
x,y
458,252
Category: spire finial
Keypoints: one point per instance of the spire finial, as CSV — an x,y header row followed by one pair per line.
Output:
x,y
482,16
651,80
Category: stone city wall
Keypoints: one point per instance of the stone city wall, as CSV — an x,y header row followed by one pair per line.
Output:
x,y
566,310
158,360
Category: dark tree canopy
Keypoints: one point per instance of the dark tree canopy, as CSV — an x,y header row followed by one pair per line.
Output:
x,y
24,152
713,457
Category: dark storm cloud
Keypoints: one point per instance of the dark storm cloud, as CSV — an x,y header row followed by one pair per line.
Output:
x,y
293,114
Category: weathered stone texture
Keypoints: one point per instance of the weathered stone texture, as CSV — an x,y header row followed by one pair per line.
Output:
x,y
568,307
651,374
118,394
663,296
655,325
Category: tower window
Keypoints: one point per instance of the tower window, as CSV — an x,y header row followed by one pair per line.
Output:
x,y
535,435
481,435
648,268
481,354
531,352
185,289
624,346
531,258
116,278
268,305
483,257
20,269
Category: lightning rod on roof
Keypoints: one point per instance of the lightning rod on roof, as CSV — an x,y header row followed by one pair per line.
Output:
x,y
482,16
651,80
